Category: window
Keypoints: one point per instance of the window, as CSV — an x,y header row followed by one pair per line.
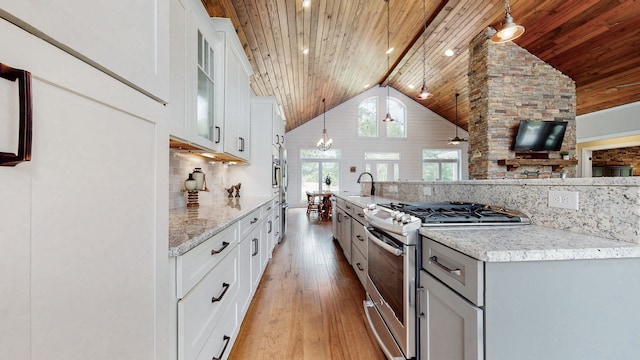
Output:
x,y
316,165
398,112
440,165
385,166
368,118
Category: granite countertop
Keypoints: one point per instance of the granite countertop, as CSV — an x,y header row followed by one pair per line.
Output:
x,y
189,227
363,201
529,243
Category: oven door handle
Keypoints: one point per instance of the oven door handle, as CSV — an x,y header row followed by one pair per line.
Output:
x,y
394,250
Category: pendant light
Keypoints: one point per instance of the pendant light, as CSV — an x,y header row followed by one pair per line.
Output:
x,y
424,92
388,117
456,140
510,30
324,143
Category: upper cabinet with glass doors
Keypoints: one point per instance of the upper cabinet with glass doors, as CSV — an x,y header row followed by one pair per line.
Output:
x,y
197,77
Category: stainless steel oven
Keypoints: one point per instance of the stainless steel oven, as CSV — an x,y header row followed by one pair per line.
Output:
x,y
390,304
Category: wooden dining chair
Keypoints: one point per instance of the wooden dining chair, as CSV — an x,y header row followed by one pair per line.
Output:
x,y
313,205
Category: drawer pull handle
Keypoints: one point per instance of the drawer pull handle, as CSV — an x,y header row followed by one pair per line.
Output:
x,y
226,339
225,287
224,246
359,237
361,215
255,220
456,272
360,267
255,247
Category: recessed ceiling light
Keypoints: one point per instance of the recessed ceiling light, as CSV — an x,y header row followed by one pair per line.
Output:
x,y
305,51
449,52
306,3
366,85
389,51
411,86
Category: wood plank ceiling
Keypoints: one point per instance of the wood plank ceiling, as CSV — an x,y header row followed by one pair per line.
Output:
x,y
595,42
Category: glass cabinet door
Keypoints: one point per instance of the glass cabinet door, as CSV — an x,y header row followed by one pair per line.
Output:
x,y
205,97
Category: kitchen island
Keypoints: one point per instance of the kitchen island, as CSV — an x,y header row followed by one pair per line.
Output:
x,y
527,292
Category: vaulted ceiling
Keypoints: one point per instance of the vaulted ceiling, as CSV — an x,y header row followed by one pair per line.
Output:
x,y
595,42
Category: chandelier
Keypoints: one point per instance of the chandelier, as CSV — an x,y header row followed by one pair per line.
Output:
x,y
324,143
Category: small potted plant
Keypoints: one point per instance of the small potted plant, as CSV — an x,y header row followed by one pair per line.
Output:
x,y
564,154
327,180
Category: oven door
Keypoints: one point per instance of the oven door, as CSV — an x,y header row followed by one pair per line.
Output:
x,y
390,288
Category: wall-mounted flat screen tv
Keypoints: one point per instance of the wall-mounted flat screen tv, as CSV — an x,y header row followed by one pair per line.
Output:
x,y
539,135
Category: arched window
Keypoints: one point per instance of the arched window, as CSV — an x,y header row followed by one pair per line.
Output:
x,y
397,128
368,118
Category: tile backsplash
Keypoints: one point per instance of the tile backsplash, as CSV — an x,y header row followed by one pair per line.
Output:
x,y
182,164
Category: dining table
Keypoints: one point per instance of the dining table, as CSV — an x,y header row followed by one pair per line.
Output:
x,y
325,200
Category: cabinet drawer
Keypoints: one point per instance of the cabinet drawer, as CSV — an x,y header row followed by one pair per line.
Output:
x,y
358,214
202,308
221,339
345,205
460,272
359,237
359,263
249,222
197,262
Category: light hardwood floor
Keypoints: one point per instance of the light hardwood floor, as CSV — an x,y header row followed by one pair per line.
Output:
x,y
309,302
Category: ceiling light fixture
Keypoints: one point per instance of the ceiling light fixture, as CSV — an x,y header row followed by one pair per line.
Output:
x,y
456,140
510,30
306,3
388,117
324,143
449,52
424,91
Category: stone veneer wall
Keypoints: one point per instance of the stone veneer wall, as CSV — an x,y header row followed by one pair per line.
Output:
x,y
629,156
508,84
608,207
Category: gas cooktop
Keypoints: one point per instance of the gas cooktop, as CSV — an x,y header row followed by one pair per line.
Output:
x,y
458,213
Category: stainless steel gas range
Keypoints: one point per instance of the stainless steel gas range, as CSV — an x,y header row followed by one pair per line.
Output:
x,y
394,260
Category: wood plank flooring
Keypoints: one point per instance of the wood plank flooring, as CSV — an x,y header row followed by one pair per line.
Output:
x,y
309,302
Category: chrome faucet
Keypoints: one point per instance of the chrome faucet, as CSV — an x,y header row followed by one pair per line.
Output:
x,y
373,188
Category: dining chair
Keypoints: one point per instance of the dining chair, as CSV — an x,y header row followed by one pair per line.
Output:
x,y
313,205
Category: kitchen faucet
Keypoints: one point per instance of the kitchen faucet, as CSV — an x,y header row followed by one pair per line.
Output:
x,y
373,188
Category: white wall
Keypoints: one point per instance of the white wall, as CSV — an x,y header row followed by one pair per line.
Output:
x,y
425,130
610,123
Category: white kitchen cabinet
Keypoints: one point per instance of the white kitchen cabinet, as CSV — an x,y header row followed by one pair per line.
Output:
x,y
237,94
16,263
359,244
258,177
344,230
125,39
200,310
197,77
82,212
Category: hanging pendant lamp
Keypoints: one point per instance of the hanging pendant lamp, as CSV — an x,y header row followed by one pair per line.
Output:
x,y
388,117
456,140
510,30
324,143
424,92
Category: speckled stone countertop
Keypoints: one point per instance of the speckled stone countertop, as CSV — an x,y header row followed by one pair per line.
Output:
x,y
189,227
529,243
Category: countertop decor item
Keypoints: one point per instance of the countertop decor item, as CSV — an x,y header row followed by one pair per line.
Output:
x,y
237,187
190,183
192,198
198,175
230,191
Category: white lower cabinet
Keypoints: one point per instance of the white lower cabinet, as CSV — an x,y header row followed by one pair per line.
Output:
x,y
201,309
359,246
215,282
